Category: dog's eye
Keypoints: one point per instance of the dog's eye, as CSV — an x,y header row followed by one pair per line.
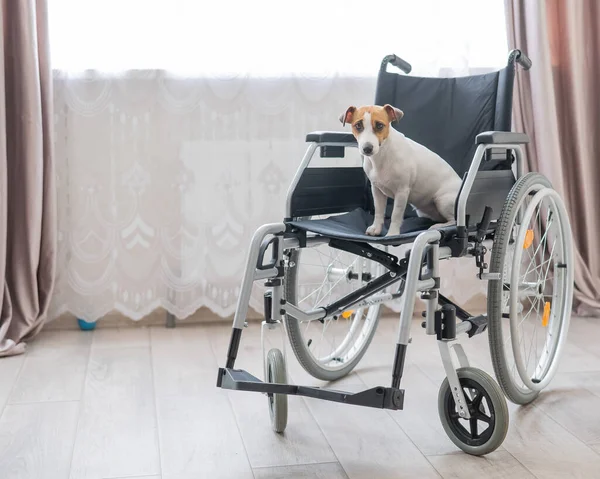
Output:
x,y
358,126
379,126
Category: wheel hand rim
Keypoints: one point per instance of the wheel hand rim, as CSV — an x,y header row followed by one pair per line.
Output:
x,y
548,362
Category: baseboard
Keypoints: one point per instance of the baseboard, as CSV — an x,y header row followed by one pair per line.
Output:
x,y
157,317
477,305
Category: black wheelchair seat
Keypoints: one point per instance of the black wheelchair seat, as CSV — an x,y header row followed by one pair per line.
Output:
x,y
352,226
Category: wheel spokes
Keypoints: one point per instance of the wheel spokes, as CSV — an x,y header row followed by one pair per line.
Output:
x,y
322,279
536,293
473,427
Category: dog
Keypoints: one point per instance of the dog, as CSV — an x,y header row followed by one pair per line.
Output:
x,y
402,169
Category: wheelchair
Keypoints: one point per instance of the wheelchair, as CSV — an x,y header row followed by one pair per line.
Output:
x,y
326,280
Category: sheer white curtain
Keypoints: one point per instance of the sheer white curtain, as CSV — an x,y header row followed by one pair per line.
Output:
x,y
179,124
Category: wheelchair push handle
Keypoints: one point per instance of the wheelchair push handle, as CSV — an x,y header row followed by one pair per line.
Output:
x,y
398,63
524,61
520,57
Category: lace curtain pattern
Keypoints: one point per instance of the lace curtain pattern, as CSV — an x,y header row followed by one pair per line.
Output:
x,y
163,176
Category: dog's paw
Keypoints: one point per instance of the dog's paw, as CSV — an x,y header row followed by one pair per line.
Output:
x,y
394,230
442,225
374,229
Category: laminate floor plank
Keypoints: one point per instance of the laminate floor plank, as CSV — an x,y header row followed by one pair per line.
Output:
x,y
36,440
569,403
301,443
136,477
49,341
142,403
497,465
420,419
9,371
311,471
547,449
117,432
182,360
199,438
121,338
38,380
368,443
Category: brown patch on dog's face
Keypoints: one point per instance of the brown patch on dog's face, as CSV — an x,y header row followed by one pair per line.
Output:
x,y
380,123
371,125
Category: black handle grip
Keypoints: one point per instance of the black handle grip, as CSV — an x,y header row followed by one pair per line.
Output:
x,y
398,63
274,253
524,60
517,56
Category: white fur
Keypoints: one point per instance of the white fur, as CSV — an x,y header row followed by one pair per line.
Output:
x,y
408,172
367,136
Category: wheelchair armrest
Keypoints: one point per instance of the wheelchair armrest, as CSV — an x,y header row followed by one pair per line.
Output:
x,y
501,138
331,137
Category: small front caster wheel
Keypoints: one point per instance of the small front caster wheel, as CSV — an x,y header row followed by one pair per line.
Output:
x,y
278,403
485,431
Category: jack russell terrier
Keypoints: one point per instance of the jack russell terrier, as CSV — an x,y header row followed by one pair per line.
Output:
x,y
402,169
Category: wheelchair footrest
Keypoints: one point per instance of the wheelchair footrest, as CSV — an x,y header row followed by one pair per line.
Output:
x,y
378,397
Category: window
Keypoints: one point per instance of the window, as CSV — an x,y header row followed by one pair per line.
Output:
x,y
276,37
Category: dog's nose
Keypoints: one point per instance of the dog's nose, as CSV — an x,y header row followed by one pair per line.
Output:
x,y
367,149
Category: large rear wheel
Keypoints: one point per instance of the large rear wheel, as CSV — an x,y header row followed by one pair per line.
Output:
x,y
329,349
529,307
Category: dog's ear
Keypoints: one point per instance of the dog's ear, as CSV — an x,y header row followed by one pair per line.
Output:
x,y
394,114
346,117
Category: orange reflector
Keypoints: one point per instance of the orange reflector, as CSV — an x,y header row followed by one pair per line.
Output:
x,y
347,314
546,315
528,239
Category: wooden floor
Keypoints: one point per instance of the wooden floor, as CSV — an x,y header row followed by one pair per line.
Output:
x,y
142,403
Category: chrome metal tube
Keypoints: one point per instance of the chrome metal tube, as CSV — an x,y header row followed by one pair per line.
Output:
x,y
243,302
300,315
412,281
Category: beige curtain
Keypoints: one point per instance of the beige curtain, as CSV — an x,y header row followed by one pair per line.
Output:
x,y
27,196
557,103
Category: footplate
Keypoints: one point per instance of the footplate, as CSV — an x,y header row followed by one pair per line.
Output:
x,y
378,397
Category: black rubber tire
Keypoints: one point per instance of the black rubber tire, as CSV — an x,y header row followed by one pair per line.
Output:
x,y
278,403
493,394
494,302
295,335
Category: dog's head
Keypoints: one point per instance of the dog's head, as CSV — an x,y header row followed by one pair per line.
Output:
x,y
371,125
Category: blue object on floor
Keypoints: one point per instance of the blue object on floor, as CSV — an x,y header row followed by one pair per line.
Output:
x,y
85,326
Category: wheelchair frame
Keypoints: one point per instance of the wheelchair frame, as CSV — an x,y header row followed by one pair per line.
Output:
x,y
425,252
419,273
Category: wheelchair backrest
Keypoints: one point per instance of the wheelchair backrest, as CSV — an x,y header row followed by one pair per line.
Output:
x,y
446,114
